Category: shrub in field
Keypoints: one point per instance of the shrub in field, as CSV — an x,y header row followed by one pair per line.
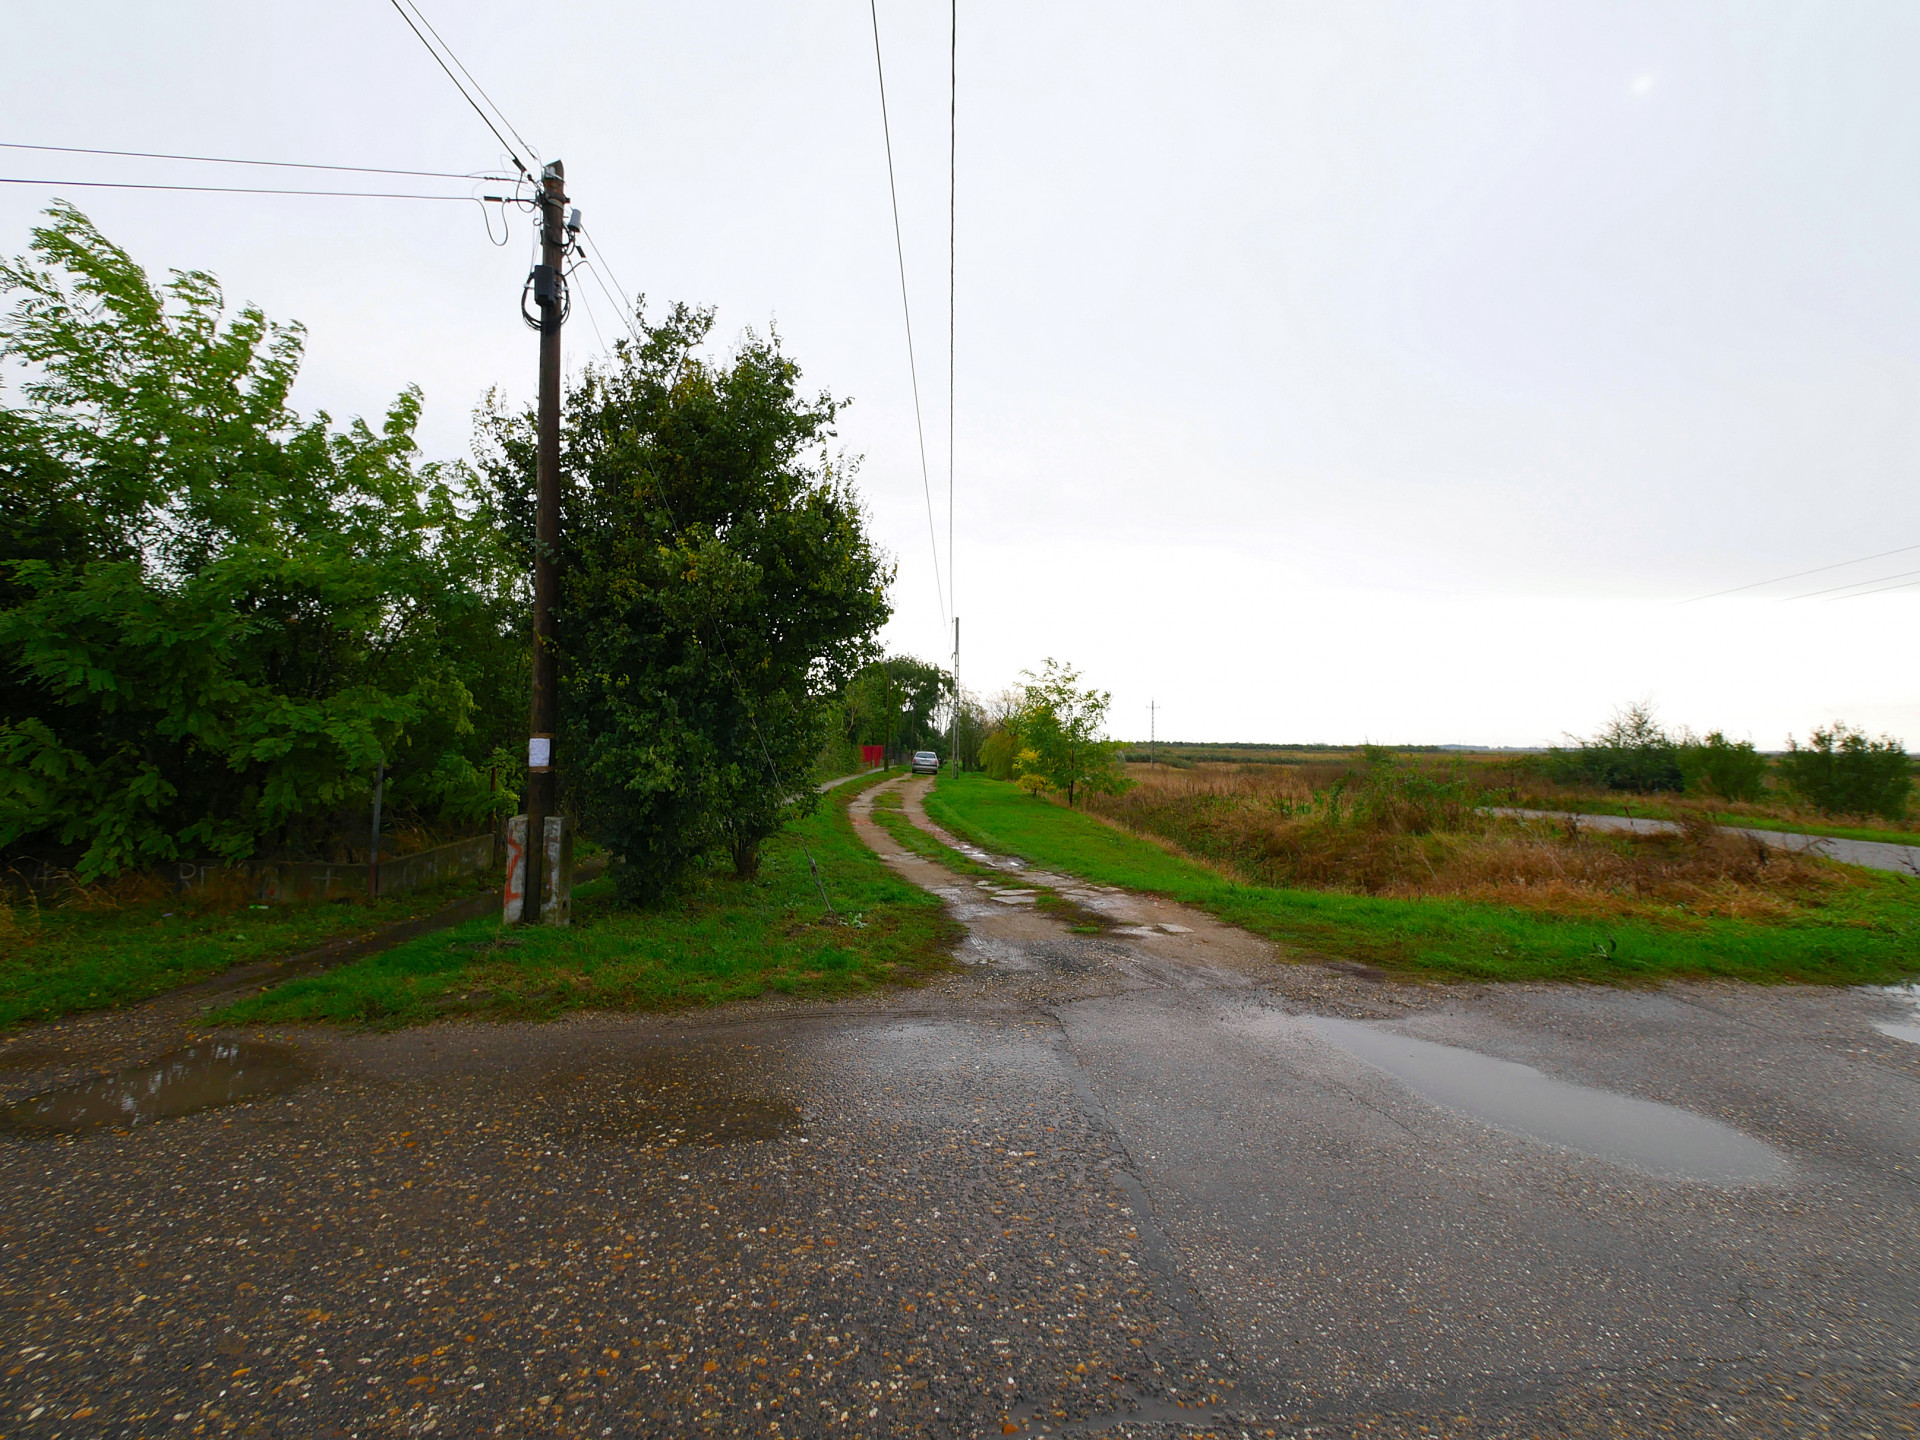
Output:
x,y
217,617
1842,772
1725,769
1631,752
1414,803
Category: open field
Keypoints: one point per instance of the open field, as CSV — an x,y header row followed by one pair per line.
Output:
x,y
716,939
1508,777
1820,923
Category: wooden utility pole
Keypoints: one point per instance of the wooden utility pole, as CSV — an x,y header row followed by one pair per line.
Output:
x,y
549,294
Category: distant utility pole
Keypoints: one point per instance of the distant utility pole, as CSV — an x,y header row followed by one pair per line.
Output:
x,y
953,724
549,294
1153,707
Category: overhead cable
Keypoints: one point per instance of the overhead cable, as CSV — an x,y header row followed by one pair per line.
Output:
x,y
247,190
227,160
529,146
1857,585
485,118
1817,570
906,310
1900,585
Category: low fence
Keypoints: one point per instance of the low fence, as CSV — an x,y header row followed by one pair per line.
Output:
x,y
276,881
317,880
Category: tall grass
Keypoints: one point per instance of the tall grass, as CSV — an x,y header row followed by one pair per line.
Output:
x,y
1423,832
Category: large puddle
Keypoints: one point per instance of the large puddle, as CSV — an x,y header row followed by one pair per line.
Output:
x,y
1909,1029
1659,1139
194,1077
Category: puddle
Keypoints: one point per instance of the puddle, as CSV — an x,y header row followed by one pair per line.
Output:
x,y
194,1077
1909,1030
1662,1140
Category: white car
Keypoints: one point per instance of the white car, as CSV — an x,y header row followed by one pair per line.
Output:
x,y
925,762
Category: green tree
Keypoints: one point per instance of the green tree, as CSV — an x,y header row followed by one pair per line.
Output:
x,y
719,589
1728,769
1060,724
1841,772
216,617
896,702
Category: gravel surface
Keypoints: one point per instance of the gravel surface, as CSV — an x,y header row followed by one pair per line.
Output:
x,y
1095,1184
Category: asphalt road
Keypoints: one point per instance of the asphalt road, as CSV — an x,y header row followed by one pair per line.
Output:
x,y
1155,1180
1873,854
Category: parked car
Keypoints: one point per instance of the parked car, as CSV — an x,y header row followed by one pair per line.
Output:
x,y
925,762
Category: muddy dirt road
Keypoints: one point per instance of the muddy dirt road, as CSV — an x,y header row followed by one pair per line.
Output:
x,y
1151,1180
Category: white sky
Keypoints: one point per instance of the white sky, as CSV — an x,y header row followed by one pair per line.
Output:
x,y
1326,371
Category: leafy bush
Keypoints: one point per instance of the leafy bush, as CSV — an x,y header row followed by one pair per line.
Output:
x,y
216,617
1841,772
1632,752
998,752
1726,769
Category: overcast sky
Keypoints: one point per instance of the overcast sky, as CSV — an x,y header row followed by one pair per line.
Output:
x,y
1325,371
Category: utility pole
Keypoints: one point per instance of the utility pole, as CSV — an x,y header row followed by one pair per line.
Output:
x,y
1153,716
549,295
953,725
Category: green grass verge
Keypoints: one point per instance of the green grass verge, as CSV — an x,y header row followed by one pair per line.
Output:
x,y
1653,810
59,961
1870,934
718,939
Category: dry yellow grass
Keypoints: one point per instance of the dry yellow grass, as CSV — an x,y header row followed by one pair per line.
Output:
x,y
1416,835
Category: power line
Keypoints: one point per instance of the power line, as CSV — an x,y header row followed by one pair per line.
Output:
x,y
1817,570
913,370
247,190
587,304
532,149
227,160
1902,585
1857,585
485,119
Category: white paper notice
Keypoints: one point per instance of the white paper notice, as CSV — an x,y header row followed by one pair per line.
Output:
x,y
539,752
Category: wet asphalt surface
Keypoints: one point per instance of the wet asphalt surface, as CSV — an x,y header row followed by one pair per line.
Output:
x,y
1103,1184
